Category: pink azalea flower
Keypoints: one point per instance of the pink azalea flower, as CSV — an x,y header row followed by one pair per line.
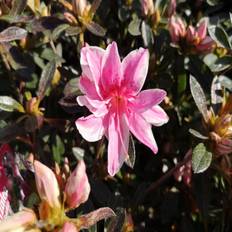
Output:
x,y
111,90
196,38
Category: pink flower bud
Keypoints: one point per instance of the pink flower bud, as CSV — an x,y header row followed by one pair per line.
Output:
x,y
19,221
171,8
47,185
177,29
77,188
148,7
69,227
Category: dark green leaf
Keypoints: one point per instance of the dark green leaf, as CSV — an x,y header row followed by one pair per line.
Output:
x,y
12,33
199,97
182,81
9,104
219,35
201,158
58,149
46,78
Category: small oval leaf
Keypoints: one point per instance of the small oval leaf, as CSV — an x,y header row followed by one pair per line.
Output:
x,y
201,158
199,97
96,29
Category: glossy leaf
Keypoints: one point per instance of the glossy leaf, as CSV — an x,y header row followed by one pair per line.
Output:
x,y
9,104
219,35
147,35
46,78
201,158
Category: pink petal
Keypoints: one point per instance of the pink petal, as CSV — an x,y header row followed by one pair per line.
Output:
x,y
20,221
190,34
135,67
77,188
206,45
147,99
118,135
202,29
91,58
111,68
87,87
98,108
91,128
142,131
155,116
91,63
69,227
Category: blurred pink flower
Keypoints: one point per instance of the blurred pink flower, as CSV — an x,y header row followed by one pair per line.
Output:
x,y
171,8
148,7
193,37
77,188
112,93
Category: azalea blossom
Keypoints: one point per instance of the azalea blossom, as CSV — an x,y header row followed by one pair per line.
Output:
x,y
194,38
111,89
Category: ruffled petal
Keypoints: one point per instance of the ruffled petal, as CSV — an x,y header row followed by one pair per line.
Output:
x,y
135,67
98,108
118,136
142,131
147,99
156,116
91,128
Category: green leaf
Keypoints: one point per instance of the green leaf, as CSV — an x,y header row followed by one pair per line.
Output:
x,y
230,17
147,35
9,104
18,7
78,153
96,29
201,158
226,82
12,33
219,35
46,78
134,27
182,81
58,149
199,97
